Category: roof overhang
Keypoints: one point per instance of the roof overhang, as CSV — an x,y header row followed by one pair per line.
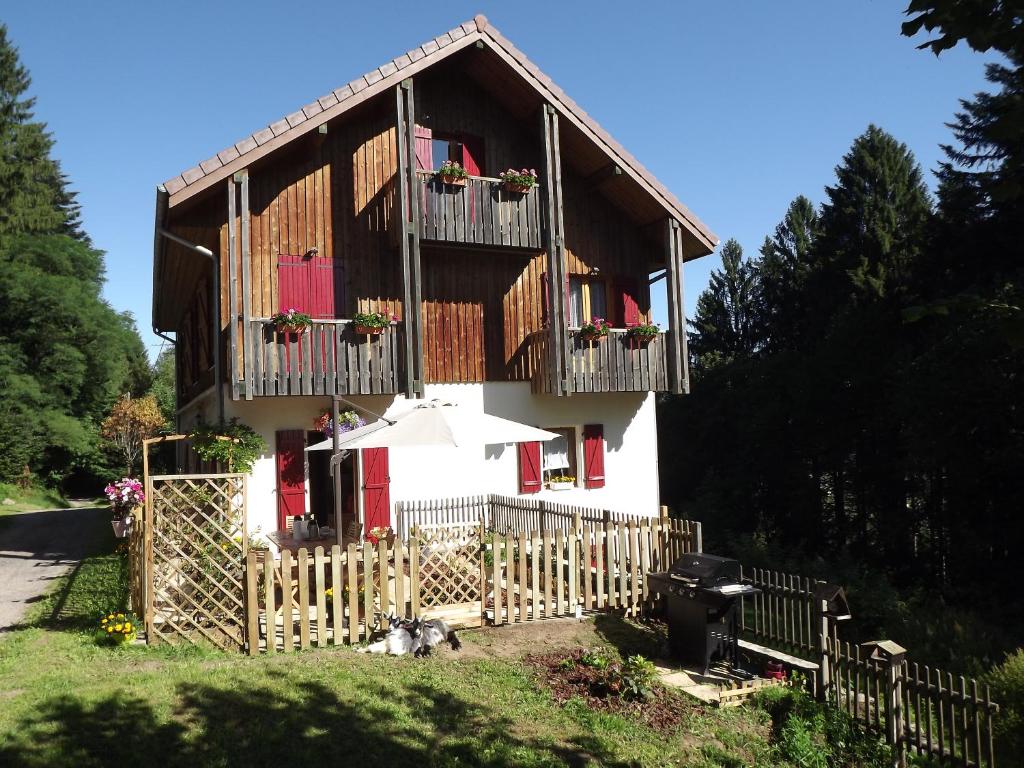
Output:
x,y
473,33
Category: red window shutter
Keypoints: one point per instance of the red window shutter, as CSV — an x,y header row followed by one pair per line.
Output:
x,y
627,308
424,136
290,447
293,283
327,287
376,488
529,467
593,455
473,155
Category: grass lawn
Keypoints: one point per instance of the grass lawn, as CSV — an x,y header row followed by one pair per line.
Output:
x,y
29,500
67,702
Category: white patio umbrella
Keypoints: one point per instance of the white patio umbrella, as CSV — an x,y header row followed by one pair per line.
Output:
x,y
436,423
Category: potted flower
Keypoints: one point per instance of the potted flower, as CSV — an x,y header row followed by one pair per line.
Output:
x,y
291,321
643,332
595,330
452,173
519,181
561,483
381,533
372,323
125,497
347,421
118,628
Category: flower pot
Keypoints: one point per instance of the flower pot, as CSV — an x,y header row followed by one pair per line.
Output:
x,y
369,330
122,526
454,181
521,189
561,486
592,336
642,338
291,328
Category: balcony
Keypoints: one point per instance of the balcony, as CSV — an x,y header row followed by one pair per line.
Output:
x,y
482,212
617,363
328,359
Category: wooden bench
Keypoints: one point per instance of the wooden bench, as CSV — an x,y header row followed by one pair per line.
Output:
x,y
809,668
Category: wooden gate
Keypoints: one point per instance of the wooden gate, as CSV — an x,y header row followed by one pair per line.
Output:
x,y
450,565
196,543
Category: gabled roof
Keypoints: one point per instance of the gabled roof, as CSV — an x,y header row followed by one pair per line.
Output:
x,y
310,117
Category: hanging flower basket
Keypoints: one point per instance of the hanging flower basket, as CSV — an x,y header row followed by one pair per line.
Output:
x,y
122,526
372,323
291,321
595,330
453,174
643,333
519,182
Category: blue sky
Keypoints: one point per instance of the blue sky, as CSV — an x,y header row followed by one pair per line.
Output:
x,y
736,107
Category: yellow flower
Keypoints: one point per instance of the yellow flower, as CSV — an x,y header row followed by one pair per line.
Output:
x,y
103,622
117,627
110,630
128,627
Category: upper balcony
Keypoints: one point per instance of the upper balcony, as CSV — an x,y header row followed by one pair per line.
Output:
x,y
480,212
616,363
330,358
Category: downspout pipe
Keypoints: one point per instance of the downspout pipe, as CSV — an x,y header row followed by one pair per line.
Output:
x,y
214,303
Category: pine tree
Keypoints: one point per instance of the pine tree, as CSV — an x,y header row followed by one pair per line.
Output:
x,y
787,258
34,195
724,325
873,222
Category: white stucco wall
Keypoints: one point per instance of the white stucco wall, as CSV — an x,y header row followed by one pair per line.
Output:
x,y
630,432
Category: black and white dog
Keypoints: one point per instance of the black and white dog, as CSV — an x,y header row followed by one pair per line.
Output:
x,y
427,635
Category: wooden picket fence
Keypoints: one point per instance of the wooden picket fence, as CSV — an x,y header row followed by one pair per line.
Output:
x,y
918,710
506,514
442,571
783,615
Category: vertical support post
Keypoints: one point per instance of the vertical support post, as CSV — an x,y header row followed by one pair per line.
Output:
x,y
698,536
335,468
247,353
409,207
677,353
554,246
408,201
894,710
232,287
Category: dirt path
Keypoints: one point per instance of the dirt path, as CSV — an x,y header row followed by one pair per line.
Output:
x,y
37,547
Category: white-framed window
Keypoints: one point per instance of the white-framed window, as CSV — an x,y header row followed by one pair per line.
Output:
x,y
560,455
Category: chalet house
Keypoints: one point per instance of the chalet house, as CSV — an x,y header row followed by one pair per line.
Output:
x,y
337,209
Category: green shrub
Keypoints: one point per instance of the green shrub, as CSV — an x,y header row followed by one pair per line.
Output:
x,y
807,733
636,678
1007,686
595,659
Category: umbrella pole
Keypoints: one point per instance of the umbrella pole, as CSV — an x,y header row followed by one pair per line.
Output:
x,y
335,467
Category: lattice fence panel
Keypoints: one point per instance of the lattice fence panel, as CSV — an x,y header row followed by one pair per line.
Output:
x,y
197,548
449,564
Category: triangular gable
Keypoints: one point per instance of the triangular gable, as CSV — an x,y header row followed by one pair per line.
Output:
x,y
309,118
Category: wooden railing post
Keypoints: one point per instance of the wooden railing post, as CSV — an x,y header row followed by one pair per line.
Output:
x,y
823,625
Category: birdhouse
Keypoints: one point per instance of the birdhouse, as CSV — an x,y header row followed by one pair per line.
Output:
x,y
837,608
883,651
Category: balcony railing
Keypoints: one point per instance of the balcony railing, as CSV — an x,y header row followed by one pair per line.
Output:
x,y
616,363
328,359
481,212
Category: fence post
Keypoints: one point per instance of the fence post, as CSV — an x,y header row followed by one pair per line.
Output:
x,y
542,510
698,537
824,633
889,656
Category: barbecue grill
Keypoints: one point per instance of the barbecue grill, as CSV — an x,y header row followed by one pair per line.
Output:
x,y
703,593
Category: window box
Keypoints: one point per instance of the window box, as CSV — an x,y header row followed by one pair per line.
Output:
x,y
562,483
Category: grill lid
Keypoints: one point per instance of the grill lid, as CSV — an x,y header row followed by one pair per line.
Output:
x,y
705,570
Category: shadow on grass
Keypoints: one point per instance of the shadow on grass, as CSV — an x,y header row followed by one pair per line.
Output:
x,y
630,636
255,726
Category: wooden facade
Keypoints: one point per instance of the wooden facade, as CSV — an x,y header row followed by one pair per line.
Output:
x,y
484,271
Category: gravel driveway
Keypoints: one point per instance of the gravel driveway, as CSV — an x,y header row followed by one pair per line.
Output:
x,y
37,547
